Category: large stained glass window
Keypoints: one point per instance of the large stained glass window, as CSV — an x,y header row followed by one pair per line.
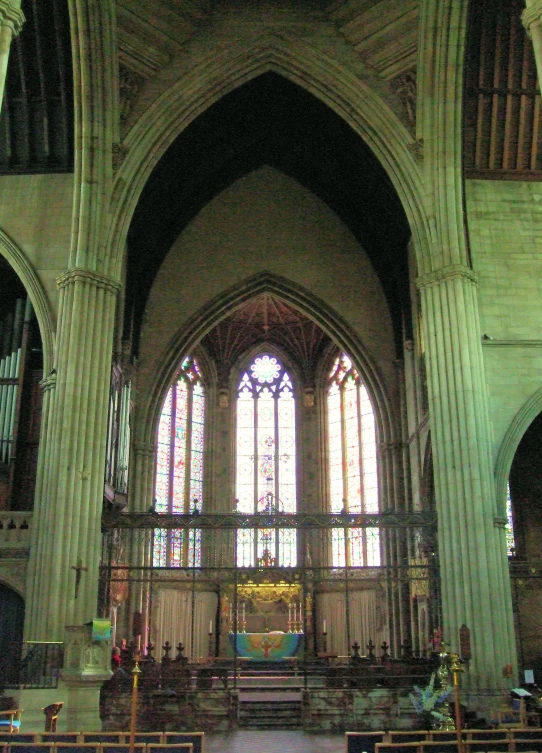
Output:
x,y
353,478
266,461
179,466
509,528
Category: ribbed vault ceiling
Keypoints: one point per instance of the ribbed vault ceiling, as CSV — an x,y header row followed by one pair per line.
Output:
x,y
266,318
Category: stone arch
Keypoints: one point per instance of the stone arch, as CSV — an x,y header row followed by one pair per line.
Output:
x,y
16,258
203,321
216,75
519,425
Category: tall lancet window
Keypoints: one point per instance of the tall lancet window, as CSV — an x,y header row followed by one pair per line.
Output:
x,y
353,479
266,461
179,466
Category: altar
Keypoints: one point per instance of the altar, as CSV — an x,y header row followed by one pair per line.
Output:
x,y
266,646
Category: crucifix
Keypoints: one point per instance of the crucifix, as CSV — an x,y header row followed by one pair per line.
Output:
x,y
78,570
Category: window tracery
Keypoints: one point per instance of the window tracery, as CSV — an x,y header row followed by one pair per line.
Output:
x,y
352,465
179,466
266,460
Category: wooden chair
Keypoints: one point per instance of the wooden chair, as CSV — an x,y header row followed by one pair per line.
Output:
x,y
362,742
197,739
171,748
10,721
515,715
51,715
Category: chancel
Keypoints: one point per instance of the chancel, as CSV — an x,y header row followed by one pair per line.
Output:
x,y
270,358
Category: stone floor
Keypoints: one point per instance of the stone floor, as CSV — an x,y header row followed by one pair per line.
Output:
x,y
272,741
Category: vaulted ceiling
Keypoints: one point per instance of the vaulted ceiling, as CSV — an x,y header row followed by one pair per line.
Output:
x,y
270,121
266,318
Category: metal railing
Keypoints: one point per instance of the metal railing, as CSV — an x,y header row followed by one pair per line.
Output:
x,y
32,664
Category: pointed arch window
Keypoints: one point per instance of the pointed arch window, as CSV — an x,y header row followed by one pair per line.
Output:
x,y
509,527
179,466
266,461
353,477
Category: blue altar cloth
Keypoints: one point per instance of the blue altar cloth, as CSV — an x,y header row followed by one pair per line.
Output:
x,y
267,646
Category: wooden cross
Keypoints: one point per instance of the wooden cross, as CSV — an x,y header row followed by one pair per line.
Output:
x,y
78,570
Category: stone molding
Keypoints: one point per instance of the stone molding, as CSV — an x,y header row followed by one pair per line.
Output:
x,y
48,382
384,447
446,273
532,15
142,449
11,16
490,343
89,278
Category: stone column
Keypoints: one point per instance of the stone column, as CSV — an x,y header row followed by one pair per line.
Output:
x,y
11,23
138,543
532,20
473,566
65,556
41,517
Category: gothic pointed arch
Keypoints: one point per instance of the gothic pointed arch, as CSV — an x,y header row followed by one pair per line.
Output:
x,y
300,64
26,273
294,295
519,425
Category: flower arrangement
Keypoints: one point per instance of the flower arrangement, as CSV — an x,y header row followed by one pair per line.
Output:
x,y
427,700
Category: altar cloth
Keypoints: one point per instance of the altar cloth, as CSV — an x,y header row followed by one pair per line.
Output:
x,y
266,646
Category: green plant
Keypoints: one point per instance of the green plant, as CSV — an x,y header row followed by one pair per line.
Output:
x,y
427,700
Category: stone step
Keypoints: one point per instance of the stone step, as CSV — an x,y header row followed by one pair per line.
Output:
x,y
270,715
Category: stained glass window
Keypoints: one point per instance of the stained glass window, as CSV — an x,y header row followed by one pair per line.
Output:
x,y
353,477
266,460
509,528
179,466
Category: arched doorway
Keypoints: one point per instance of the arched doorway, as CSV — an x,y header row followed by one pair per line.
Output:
x,y
11,633
525,486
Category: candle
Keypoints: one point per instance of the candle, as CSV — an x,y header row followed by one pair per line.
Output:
x,y
324,627
210,626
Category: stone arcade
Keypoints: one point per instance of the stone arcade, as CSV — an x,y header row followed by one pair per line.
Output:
x,y
271,346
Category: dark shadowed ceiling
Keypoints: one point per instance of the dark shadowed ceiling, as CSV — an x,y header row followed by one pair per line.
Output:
x,y
36,122
269,121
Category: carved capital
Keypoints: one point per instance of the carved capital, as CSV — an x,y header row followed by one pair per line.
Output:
x,y
48,382
12,17
87,277
142,449
532,15
447,273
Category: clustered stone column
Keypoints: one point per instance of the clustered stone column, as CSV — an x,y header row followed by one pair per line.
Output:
x,y
475,583
11,23
64,558
532,20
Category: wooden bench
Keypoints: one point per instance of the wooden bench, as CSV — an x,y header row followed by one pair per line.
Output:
x,y
510,740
